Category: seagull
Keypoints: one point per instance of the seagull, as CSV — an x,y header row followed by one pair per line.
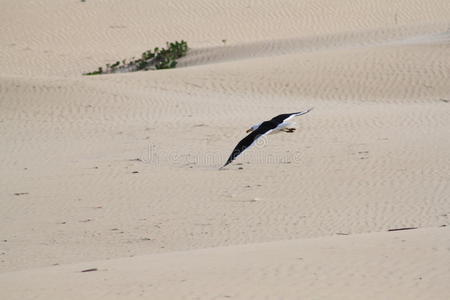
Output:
x,y
274,125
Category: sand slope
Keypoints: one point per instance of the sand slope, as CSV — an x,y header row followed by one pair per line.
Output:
x,y
400,265
106,167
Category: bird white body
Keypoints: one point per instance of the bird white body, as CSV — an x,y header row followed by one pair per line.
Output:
x,y
283,126
280,127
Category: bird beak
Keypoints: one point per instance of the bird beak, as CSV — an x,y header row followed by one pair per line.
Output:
x,y
249,130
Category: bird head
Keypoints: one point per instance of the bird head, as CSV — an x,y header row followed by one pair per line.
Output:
x,y
253,128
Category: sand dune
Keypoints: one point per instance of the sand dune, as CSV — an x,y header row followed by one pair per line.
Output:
x,y
101,168
51,38
401,265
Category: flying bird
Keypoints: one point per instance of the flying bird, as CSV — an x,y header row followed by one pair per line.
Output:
x,y
275,125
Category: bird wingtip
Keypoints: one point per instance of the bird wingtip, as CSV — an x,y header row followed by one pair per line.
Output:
x,y
222,167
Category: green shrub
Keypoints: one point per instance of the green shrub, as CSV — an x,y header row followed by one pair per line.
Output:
x,y
165,58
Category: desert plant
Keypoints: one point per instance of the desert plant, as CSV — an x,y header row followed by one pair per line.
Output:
x,y
164,58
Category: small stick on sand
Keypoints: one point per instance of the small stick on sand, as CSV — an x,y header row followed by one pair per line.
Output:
x,y
404,228
89,270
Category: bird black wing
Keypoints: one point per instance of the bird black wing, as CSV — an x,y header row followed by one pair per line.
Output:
x,y
245,143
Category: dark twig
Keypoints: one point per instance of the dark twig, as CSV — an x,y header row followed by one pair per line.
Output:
x,y
404,228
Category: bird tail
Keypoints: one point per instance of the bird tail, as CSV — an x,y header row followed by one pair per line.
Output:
x,y
304,112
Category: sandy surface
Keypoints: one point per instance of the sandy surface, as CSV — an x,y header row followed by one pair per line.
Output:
x,y
120,172
407,265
